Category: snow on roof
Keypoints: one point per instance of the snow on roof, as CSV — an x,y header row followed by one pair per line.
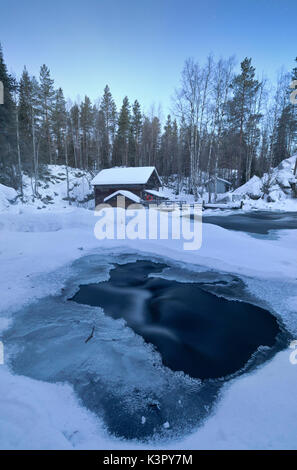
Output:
x,y
125,175
156,193
124,193
219,179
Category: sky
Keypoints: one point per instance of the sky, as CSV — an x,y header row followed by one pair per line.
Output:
x,y
138,47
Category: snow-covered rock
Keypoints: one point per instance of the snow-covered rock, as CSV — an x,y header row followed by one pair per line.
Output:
x,y
7,196
252,188
273,188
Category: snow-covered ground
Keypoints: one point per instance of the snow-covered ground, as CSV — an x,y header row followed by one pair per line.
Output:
x,y
41,237
52,190
256,410
271,192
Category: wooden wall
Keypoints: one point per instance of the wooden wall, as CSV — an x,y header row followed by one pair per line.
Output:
x,y
102,191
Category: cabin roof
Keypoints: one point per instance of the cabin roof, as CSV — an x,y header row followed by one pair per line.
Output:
x,y
219,179
156,193
128,194
125,175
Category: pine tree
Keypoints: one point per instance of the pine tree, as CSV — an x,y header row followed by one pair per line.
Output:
x,y
150,140
243,117
108,117
75,134
281,145
8,156
121,144
25,120
166,148
46,99
102,141
37,132
155,141
86,124
135,135
168,162
59,119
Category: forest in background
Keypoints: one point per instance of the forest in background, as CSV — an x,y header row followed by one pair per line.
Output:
x,y
222,123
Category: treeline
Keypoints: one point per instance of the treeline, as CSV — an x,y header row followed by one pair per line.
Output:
x,y
222,123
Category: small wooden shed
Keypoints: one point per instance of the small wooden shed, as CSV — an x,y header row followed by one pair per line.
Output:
x,y
129,198
222,185
133,179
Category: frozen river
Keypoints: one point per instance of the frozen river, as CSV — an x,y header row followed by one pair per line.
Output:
x,y
257,222
149,346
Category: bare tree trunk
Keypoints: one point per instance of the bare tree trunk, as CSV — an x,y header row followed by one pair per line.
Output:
x,y
74,145
216,174
19,152
208,73
67,172
35,164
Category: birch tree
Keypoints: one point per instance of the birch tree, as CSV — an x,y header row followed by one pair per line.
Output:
x,y
222,77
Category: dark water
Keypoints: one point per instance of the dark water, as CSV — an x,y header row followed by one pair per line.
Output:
x,y
258,222
195,331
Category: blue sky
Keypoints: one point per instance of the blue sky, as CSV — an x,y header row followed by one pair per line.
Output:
x,y
139,47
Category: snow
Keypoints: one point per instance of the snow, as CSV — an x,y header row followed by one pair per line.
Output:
x,y
52,190
278,197
252,188
283,204
219,179
255,411
156,193
225,206
37,248
39,415
258,411
124,175
7,196
278,189
124,193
